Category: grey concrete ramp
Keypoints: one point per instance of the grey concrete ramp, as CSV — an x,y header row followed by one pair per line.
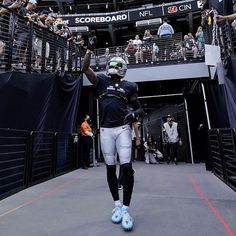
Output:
x,y
168,200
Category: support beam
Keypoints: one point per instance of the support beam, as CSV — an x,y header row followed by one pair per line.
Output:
x,y
189,132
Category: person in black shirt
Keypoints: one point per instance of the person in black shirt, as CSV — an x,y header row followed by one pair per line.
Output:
x,y
119,107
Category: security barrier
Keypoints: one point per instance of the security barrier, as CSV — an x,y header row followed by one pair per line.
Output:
x,y
28,158
227,41
167,49
223,154
27,47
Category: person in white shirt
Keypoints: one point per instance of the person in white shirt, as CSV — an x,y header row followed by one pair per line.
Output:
x,y
139,52
172,136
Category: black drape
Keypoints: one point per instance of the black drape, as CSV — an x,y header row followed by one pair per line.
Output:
x,y
42,102
216,101
198,126
227,79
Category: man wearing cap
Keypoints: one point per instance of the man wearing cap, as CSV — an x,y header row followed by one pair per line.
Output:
x,y
172,134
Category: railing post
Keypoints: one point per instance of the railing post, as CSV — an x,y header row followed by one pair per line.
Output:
x,y
30,48
54,159
55,53
29,160
70,56
43,58
9,46
222,156
63,54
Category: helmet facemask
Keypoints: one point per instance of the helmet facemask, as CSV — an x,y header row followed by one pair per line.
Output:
x,y
116,66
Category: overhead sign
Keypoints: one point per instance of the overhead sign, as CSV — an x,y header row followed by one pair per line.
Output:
x,y
163,10
144,14
95,19
180,8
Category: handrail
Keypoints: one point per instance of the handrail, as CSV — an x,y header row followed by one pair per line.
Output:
x,y
26,46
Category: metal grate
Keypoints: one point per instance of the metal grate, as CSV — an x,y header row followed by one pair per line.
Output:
x,y
42,156
229,155
27,47
64,150
215,149
28,158
13,153
223,153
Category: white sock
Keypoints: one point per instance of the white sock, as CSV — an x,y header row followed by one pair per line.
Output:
x,y
118,203
125,208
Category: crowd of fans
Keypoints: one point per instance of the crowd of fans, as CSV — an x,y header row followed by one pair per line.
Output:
x,y
27,10
148,48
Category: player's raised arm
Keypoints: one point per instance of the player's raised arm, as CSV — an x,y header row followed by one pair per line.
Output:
x,y
92,77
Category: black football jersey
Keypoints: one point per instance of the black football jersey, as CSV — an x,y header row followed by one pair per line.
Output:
x,y
114,100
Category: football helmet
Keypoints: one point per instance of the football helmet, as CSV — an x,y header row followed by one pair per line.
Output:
x,y
116,66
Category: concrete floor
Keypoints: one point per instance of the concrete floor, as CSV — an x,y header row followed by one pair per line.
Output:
x,y
168,200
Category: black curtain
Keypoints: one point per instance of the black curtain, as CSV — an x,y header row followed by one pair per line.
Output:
x,y
198,126
227,79
41,102
216,101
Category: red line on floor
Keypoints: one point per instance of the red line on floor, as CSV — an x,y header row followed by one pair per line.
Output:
x,y
43,195
210,205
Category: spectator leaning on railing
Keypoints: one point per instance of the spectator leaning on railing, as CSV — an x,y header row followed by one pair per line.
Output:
x,y
231,17
5,20
13,5
22,30
41,21
227,17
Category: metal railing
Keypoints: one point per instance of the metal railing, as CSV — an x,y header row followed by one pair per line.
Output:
x,y
13,160
26,46
223,154
167,49
227,41
28,158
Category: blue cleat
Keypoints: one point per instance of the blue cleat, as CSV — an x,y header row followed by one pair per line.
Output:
x,y
116,215
127,221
